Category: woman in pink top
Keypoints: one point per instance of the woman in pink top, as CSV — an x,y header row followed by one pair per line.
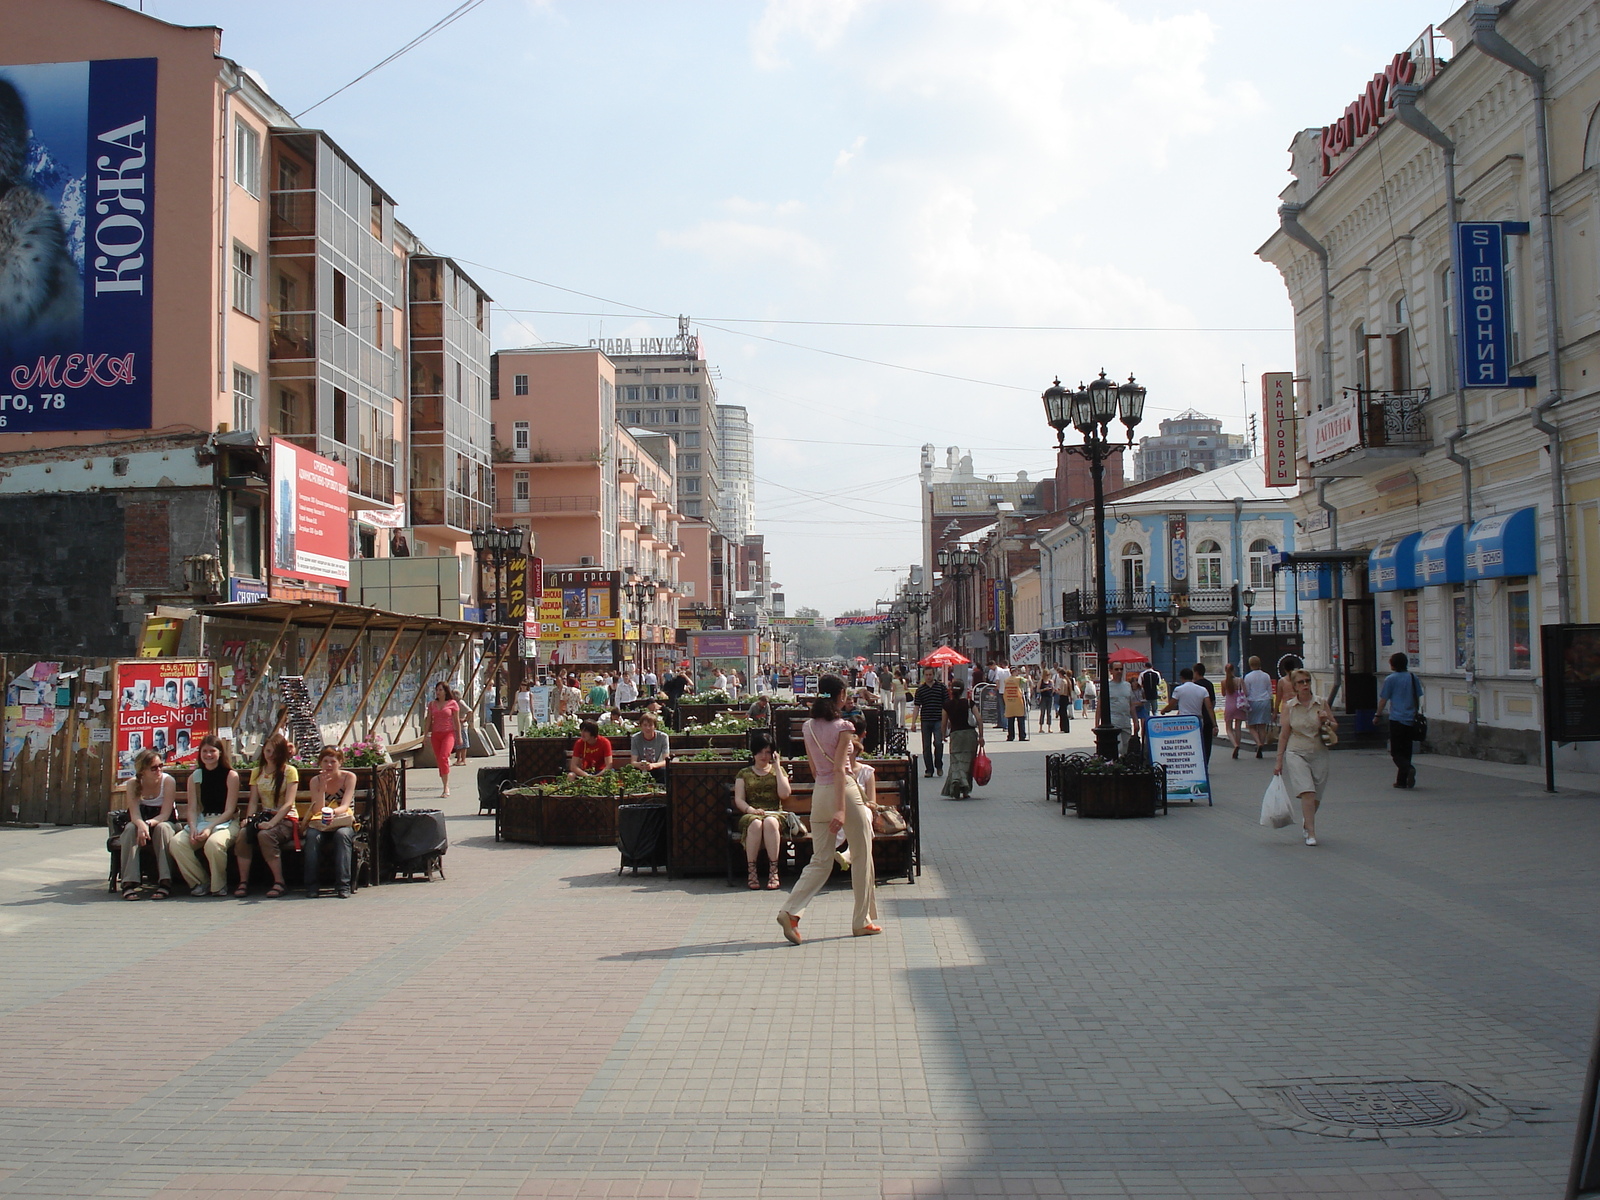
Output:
x,y
444,729
836,803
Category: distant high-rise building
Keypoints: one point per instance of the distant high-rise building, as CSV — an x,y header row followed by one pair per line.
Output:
x,y
1190,439
737,438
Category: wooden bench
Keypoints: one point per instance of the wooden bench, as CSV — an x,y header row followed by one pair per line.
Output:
x,y
796,850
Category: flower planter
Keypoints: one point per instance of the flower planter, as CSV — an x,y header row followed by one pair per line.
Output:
x,y
1133,788
562,820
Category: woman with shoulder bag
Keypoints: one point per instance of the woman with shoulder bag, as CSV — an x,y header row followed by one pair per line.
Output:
x,y
152,794
962,728
836,803
210,821
1307,729
274,786
331,819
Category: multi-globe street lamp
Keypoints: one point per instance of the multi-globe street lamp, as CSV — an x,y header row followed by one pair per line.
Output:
x,y
1090,410
958,564
918,603
640,593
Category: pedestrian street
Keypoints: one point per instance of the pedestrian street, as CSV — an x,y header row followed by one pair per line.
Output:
x,y
1059,1007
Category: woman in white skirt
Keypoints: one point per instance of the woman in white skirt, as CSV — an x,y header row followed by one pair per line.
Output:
x,y
1302,752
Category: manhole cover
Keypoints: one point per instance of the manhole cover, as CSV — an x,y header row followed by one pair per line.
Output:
x,y
1406,1105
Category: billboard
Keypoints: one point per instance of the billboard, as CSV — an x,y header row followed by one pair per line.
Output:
x,y
162,704
310,515
580,606
77,173
1277,427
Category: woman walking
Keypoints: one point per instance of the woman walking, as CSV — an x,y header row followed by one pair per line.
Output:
x,y
1047,700
1305,723
444,729
836,803
1234,708
964,730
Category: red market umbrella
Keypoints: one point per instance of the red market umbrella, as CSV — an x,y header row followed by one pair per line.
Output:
x,y
1126,656
944,657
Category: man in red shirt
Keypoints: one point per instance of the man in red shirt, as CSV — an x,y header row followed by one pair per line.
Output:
x,y
591,753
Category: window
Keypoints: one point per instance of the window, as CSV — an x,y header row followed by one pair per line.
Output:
x,y
247,158
690,462
691,416
1213,651
691,508
1208,565
244,550
1461,611
689,486
519,435
519,385
341,416
653,395
672,392
691,441
958,501
672,416
1519,622
244,280
652,416
1447,283
633,416
521,482
1260,564
244,399
1133,567
631,392
691,391
1362,376
341,295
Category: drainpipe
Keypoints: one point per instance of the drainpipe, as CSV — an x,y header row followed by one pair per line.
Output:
x,y
1289,221
1487,39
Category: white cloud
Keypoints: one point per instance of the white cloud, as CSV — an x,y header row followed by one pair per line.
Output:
x,y
843,160
740,243
819,22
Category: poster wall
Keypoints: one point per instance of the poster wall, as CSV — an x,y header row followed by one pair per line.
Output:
x,y
310,515
77,170
162,704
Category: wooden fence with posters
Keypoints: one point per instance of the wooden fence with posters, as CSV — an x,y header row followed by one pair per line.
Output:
x,y
59,765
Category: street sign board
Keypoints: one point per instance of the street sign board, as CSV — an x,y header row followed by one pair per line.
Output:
x,y
1277,421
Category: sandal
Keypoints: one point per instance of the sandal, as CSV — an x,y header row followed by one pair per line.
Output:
x,y
163,890
772,880
867,930
275,891
242,890
130,891
752,882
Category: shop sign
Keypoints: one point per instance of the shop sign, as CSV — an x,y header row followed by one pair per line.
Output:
x,y
1571,682
533,581
1483,325
842,622
1026,650
579,605
1277,421
75,320
310,515
720,645
162,704
1178,540
245,591
1335,429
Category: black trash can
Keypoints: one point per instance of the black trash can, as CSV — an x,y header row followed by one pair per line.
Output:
x,y
642,836
490,781
416,841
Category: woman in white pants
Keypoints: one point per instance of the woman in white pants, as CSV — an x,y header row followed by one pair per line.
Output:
x,y
836,803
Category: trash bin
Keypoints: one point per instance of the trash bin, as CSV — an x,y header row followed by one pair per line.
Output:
x,y
642,836
416,841
490,781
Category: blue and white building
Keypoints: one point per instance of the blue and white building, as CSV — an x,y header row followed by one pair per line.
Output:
x,y
1187,563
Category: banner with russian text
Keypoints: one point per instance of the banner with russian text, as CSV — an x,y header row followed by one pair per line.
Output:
x,y
77,173
310,515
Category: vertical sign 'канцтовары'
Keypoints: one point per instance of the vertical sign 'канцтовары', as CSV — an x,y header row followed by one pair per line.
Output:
x,y
1277,420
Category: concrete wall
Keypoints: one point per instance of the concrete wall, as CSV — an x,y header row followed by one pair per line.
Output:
x,y
82,569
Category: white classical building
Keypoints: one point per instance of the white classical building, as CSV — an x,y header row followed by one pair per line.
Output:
x,y
1442,521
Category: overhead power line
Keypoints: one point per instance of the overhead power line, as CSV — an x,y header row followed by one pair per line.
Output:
x,y
444,22
564,312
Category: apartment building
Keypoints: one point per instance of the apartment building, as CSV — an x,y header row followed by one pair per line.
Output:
x,y
1190,439
737,440
239,300
670,390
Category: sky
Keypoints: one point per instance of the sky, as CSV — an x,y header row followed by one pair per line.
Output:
x,y
809,180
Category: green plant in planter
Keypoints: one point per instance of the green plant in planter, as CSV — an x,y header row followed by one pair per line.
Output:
x,y
619,781
715,754
1128,764
726,723
714,696
567,727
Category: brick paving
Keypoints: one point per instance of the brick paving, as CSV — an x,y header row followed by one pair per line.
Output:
x,y
1060,1008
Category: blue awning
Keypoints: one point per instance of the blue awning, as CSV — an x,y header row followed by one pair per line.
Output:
x,y
1441,556
1392,567
1504,545
1317,584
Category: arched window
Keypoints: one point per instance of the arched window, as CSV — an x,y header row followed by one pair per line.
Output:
x,y
1133,567
1260,563
1208,565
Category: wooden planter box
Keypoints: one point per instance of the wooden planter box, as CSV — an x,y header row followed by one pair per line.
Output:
x,y
1118,796
562,820
697,816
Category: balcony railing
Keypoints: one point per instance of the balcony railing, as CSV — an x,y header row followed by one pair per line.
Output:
x,y
1148,602
1394,418
550,504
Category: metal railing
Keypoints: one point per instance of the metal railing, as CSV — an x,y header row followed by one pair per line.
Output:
x,y
538,504
1392,418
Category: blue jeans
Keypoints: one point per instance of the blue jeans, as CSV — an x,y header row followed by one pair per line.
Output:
x,y
932,746
343,851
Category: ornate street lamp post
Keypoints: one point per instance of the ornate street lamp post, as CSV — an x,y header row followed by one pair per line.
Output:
x,y
640,592
958,564
1248,599
1090,410
918,603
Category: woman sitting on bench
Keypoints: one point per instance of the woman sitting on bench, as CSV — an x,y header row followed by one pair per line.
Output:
x,y
759,791
151,796
333,791
274,785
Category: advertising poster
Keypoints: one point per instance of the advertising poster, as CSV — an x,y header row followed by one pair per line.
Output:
x,y
1175,743
1277,427
1571,656
310,515
77,173
1026,650
162,704
1178,527
578,606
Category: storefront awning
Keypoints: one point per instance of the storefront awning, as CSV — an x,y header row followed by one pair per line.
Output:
x,y
1316,584
1504,545
1392,567
1441,556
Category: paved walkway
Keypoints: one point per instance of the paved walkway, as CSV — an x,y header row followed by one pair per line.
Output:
x,y
1060,1008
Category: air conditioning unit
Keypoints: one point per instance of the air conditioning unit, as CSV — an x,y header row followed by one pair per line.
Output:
x,y
586,561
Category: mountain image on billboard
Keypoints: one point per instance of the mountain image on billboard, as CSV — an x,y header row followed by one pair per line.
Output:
x,y
77,172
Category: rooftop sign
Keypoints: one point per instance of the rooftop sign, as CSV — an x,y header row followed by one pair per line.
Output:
x,y
1366,114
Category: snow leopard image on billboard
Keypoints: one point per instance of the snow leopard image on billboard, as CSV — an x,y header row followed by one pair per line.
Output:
x,y
77,201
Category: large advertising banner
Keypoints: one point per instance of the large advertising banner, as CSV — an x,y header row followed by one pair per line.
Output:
x,y
580,606
77,177
162,704
310,515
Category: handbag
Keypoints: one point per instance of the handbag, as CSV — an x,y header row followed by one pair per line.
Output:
x,y
1275,809
793,826
1419,722
887,821
1327,735
982,767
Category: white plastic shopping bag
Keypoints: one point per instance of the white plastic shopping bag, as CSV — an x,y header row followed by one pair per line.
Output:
x,y
1275,810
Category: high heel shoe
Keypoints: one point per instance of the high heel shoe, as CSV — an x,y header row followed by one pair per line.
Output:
x,y
867,930
754,881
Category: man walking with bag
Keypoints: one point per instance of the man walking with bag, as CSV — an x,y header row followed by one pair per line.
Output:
x,y
1401,694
